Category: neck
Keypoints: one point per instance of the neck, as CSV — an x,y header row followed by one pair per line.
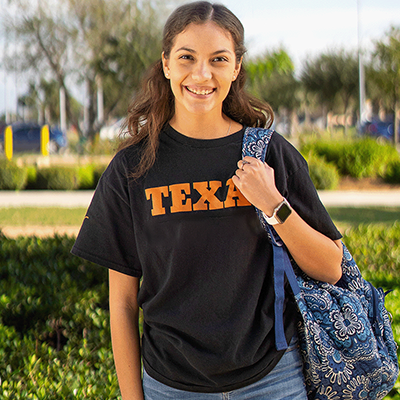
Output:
x,y
203,127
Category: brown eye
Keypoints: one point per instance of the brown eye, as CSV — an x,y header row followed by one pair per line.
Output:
x,y
220,59
186,57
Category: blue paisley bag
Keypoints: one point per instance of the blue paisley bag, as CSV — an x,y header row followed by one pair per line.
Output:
x,y
345,333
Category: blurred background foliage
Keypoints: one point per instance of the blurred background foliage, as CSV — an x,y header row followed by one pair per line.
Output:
x,y
104,46
63,43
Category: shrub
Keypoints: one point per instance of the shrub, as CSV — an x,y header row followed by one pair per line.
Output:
x,y
392,174
331,151
54,323
376,249
86,177
32,177
12,177
358,158
89,175
98,171
324,175
64,350
58,178
366,158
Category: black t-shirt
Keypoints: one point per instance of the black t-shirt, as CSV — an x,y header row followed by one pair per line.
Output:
x,y
207,290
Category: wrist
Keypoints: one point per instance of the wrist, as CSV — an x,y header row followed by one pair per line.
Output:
x,y
273,204
280,213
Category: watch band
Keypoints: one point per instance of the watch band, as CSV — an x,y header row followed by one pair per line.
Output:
x,y
270,220
280,214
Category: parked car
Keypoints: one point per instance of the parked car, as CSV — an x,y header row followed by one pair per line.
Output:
x,y
381,130
26,138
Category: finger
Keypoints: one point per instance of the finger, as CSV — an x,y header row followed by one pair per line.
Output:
x,y
249,159
236,180
242,163
254,161
239,172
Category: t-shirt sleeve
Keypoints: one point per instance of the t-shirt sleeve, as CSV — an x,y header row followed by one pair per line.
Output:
x,y
294,183
107,236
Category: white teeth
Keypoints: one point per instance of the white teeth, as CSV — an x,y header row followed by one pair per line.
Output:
x,y
202,92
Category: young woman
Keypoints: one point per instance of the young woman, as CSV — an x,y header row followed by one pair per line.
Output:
x,y
175,208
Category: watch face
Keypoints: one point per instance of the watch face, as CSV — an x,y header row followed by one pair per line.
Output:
x,y
283,212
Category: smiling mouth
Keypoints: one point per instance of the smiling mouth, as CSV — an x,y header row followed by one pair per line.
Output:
x,y
203,92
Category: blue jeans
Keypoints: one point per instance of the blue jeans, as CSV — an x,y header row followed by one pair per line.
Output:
x,y
284,382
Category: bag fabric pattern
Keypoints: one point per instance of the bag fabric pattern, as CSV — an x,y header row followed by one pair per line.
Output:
x,y
345,333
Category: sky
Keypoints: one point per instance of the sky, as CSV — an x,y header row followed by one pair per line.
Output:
x,y
304,28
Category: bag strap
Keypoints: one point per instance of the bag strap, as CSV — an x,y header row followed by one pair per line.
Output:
x,y
255,144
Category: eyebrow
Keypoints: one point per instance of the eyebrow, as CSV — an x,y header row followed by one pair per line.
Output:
x,y
188,49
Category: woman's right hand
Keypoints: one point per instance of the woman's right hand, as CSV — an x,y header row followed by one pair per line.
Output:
x,y
124,319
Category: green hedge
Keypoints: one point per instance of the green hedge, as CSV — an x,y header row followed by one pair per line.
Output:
x,y
54,319
392,174
12,177
357,158
86,176
68,178
54,329
376,249
89,175
57,178
324,175
328,160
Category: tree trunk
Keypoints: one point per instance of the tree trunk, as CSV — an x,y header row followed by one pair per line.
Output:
x,y
70,116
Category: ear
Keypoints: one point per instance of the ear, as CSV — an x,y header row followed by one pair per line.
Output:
x,y
165,63
237,69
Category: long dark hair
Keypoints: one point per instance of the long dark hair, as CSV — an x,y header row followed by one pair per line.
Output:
x,y
154,105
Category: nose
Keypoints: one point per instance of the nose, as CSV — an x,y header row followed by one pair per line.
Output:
x,y
201,72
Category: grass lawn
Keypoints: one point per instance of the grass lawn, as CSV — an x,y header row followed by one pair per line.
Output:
x,y
346,217
46,216
53,216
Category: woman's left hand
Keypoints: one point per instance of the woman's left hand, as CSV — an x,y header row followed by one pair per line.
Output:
x,y
256,181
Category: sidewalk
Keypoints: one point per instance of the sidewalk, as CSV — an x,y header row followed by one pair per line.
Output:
x,y
46,198
361,198
82,198
389,198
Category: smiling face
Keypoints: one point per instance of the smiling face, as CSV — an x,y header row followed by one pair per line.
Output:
x,y
201,68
